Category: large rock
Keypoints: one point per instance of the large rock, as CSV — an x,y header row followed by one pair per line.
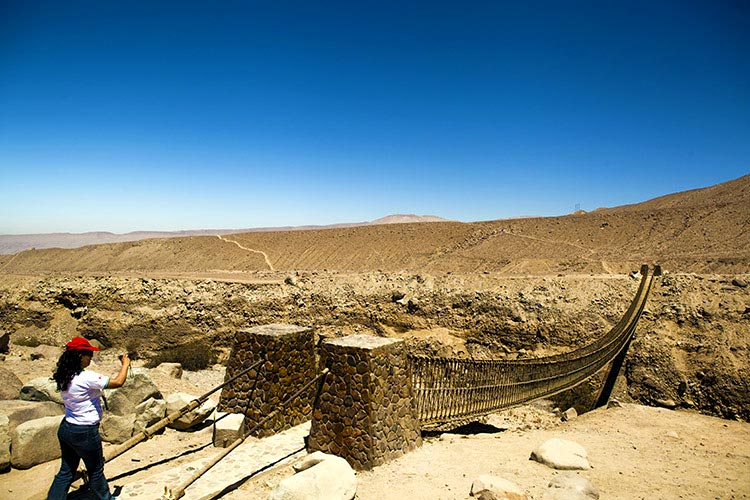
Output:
x,y
561,454
138,388
35,442
19,411
148,413
319,477
571,486
41,389
179,400
488,487
10,385
4,443
46,352
116,428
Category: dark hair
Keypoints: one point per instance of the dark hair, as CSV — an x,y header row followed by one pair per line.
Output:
x,y
68,366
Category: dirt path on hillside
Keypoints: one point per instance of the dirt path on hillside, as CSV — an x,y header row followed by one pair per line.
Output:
x,y
265,256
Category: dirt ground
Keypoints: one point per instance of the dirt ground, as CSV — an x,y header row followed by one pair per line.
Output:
x,y
635,452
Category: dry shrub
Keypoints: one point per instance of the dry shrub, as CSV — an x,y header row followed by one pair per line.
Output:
x,y
192,356
28,341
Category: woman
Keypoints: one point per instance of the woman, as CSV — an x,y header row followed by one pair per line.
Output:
x,y
79,431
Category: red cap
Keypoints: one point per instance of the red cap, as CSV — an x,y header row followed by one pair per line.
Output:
x,y
80,344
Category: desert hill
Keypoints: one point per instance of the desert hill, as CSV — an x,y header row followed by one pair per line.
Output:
x,y
14,243
505,288
702,231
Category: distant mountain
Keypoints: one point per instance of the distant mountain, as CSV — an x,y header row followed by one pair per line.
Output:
x,y
407,218
14,243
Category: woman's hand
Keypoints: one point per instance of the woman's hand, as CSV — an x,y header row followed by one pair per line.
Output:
x,y
119,379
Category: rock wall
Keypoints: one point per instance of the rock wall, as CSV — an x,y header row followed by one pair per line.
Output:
x,y
287,356
691,345
365,412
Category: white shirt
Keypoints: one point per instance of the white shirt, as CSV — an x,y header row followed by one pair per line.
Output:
x,y
82,398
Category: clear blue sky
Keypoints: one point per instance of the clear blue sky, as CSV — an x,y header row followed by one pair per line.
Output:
x,y
123,116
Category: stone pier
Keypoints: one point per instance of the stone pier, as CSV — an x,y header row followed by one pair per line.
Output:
x,y
365,411
288,354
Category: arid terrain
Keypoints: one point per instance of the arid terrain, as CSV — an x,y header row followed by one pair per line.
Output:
x,y
509,288
636,451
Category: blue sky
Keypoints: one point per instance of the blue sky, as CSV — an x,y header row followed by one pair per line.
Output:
x,y
124,116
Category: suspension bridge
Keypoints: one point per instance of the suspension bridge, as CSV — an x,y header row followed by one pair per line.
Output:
x,y
369,400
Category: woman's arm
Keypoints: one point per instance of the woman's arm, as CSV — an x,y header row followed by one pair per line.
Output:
x,y
119,379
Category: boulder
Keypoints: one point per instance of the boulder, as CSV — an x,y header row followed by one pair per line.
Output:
x,y
178,400
35,442
569,414
116,428
46,352
173,370
319,477
138,388
488,487
668,403
613,403
19,411
561,454
4,443
41,389
571,486
148,413
10,384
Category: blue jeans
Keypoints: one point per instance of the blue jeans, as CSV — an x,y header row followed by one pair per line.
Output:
x,y
80,442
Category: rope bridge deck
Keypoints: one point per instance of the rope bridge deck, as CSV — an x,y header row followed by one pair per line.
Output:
x,y
452,390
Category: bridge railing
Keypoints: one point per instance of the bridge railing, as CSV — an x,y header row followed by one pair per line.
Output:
x,y
449,390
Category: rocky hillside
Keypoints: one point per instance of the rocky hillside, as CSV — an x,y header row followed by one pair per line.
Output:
x,y
700,231
691,349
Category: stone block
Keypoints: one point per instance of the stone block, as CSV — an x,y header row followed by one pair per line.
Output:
x,y
19,411
228,428
35,442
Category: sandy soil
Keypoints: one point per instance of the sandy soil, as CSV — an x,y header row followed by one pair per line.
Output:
x,y
635,451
